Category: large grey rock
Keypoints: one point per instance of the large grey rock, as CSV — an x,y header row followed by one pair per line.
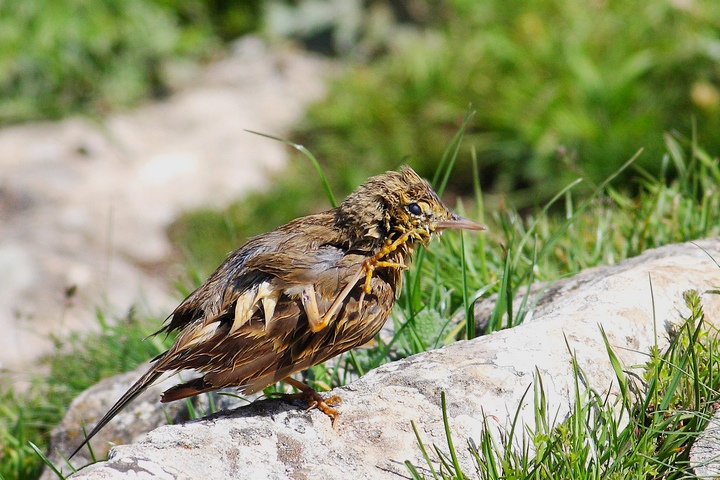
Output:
x,y
84,205
485,378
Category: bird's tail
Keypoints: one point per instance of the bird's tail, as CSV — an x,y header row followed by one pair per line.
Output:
x,y
138,387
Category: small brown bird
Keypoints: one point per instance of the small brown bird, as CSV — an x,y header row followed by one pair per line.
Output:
x,y
300,294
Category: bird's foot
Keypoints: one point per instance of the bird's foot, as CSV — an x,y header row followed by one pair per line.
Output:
x,y
376,261
313,399
325,405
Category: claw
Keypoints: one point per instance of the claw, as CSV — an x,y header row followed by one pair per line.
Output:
x,y
376,261
313,399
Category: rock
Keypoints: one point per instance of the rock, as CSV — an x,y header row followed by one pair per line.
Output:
x,y
539,300
485,379
137,419
140,416
705,452
84,204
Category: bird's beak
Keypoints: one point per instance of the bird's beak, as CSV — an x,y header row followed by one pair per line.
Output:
x,y
456,221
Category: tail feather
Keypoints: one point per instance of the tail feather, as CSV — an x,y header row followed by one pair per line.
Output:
x,y
138,387
187,389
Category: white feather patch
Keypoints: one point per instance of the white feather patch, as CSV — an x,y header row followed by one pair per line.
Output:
x,y
205,333
249,302
269,304
244,308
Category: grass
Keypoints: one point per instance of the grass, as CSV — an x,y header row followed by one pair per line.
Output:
x,y
79,362
573,233
630,438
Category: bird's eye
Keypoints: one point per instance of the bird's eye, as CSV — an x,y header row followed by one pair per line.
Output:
x,y
414,209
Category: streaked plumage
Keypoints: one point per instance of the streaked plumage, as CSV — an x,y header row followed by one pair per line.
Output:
x,y
300,294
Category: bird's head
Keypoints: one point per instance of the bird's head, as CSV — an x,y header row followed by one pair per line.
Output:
x,y
394,203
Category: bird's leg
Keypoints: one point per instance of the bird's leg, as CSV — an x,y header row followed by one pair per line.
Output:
x,y
375,261
309,301
369,267
313,398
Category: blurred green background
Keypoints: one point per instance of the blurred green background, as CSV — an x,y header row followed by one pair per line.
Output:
x,y
89,56
561,88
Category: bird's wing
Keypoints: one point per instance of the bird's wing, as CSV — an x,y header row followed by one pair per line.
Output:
x,y
295,252
238,349
280,277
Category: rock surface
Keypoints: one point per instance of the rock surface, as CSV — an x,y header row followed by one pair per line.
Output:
x,y
142,415
485,378
84,206
705,452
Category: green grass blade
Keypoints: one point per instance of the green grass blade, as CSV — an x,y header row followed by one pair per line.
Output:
x,y
308,154
504,299
469,316
450,154
480,212
448,437
550,243
47,461
617,368
414,474
423,450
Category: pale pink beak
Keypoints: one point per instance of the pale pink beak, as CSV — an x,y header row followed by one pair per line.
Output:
x,y
456,221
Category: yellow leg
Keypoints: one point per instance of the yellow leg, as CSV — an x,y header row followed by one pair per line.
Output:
x,y
369,267
317,322
309,300
371,264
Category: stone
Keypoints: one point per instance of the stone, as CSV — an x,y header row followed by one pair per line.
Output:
x,y
705,452
485,380
140,416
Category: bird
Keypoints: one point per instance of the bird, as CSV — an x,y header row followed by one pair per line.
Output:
x,y
299,295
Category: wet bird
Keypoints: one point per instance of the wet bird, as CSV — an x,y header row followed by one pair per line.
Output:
x,y
300,294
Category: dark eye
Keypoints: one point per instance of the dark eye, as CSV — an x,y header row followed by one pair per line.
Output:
x,y
414,209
